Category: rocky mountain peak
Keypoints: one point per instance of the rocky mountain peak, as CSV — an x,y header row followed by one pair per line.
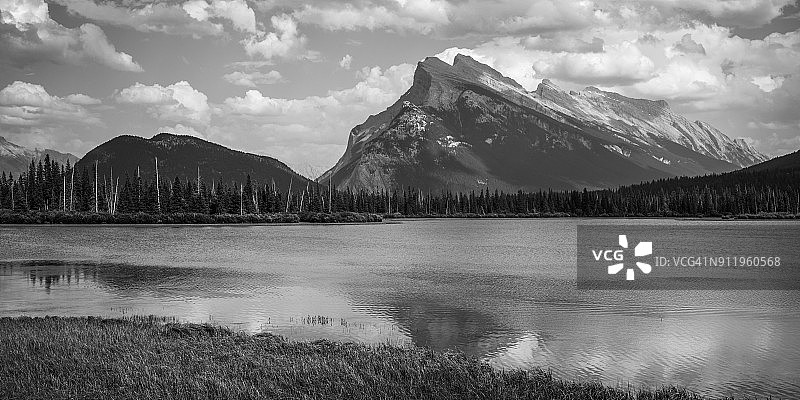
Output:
x,y
466,126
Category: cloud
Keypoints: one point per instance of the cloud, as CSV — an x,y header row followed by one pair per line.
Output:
x,y
618,63
34,37
253,79
97,47
768,83
196,17
27,104
177,102
688,46
681,80
562,43
376,87
745,13
774,143
346,61
179,129
249,65
30,116
403,15
298,131
22,14
82,99
524,17
237,12
285,42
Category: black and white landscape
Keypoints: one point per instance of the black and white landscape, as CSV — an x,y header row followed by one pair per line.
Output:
x,y
391,199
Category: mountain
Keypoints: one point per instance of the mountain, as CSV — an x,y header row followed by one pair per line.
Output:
x,y
466,126
180,156
15,159
789,161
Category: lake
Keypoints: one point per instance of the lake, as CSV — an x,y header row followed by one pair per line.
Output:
x,y
501,290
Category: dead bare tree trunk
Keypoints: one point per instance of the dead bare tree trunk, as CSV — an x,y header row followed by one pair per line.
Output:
x,y
303,196
289,194
72,191
158,187
96,205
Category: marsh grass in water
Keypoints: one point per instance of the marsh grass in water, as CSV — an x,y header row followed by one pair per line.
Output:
x,y
139,358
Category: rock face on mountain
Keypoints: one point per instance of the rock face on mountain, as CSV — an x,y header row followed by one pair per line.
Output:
x,y
15,159
467,127
180,156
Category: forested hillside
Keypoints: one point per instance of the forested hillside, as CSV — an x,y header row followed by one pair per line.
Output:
x,y
770,187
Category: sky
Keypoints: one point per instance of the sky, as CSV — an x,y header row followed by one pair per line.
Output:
x,y
290,78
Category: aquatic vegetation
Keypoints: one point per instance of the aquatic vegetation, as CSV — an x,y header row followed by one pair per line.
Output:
x,y
153,357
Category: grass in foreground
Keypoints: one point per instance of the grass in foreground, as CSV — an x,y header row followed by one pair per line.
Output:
x,y
48,358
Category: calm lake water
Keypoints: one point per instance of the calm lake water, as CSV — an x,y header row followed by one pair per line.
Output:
x,y
502,290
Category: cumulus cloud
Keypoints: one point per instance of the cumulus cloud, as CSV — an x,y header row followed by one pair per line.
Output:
x,y
525,17
561,43
746,13
346,61
82,99
249,65
253,79
237,12
195,17
620,64
687,46
285,42
177,102
22,14
474,17
30,116
310,128
36,37
681,80
179,129
768,83
27,104
403,15
376,87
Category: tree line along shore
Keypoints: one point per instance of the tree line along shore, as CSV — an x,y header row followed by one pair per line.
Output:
x,y
150,358
50,187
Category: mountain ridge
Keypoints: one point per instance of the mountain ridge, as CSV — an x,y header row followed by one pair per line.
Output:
x,y
465,126
15,159
181,155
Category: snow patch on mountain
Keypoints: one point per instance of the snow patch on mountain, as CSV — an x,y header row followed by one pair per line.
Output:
x,y
644,122
615,148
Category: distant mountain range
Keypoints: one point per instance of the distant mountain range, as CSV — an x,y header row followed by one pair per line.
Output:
x,y
180,156
460,127
15,159
466,127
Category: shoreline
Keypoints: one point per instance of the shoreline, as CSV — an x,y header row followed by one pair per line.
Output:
x,y
150,357
11,218
89,218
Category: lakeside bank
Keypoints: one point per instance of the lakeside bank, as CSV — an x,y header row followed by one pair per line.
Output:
x,y
8,217
55,357
88,218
